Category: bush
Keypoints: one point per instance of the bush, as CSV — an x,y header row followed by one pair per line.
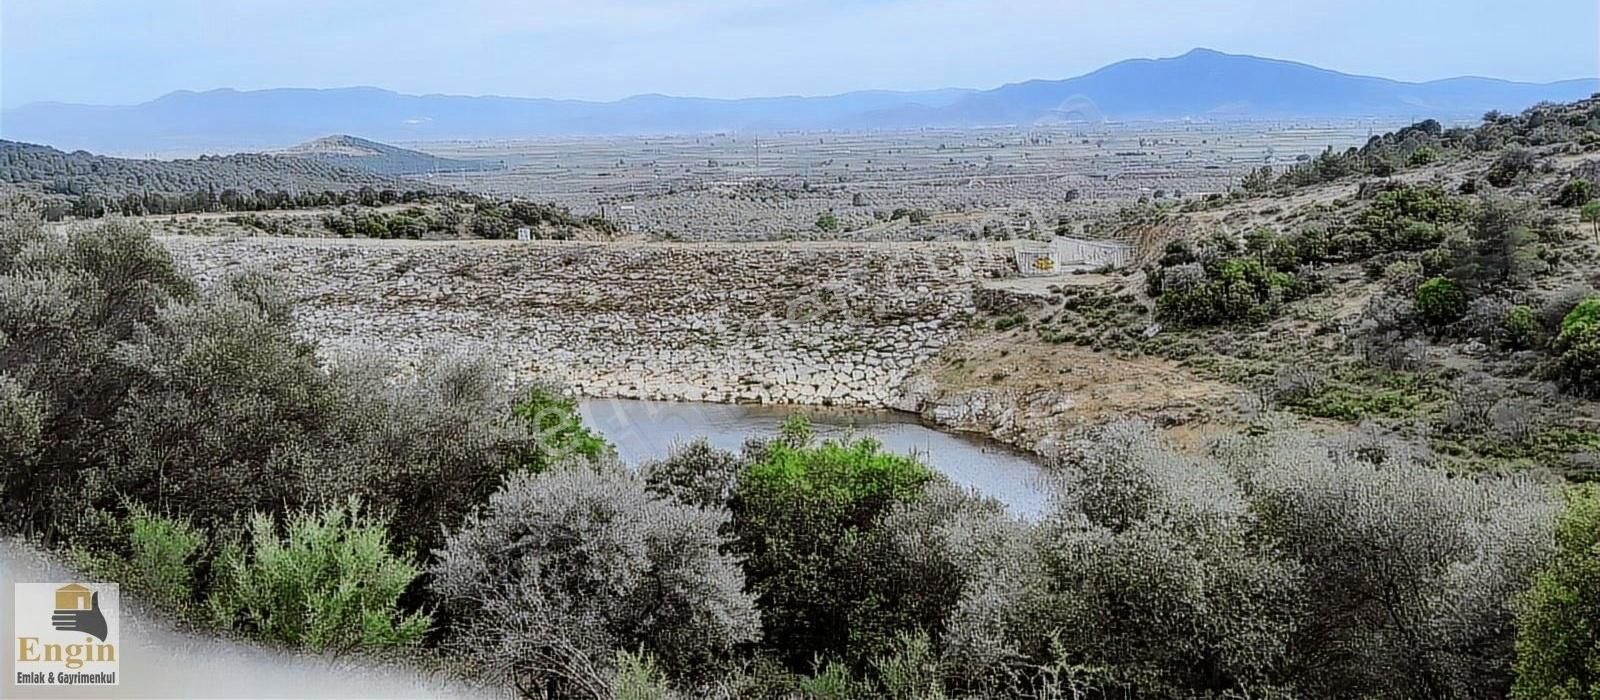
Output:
x,y
428,448
1142,543
1235,290
1509,167
565,568
1404,570
328,583
1520,328
639,677
1440,302
1577,363
1575,193
553,419
911,670
152,556
125,383
1409,218
695,474
67,302
797,509
911,568
1558,632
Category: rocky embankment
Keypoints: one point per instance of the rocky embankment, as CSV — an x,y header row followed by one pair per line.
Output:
x,y
826,323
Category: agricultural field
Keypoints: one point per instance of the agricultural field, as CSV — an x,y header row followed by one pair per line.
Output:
x,y
894,185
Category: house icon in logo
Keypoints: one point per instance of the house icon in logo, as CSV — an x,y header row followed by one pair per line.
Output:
x,y
73,597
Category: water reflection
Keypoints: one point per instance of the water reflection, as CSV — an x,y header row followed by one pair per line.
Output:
x,y
647,429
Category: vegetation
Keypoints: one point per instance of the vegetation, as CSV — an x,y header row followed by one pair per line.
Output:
x,y
182,438
799,510
330,582
563,568
1578,364
50,171
1558,638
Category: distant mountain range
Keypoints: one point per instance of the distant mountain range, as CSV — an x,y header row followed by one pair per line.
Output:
x,y
352,152
1201,84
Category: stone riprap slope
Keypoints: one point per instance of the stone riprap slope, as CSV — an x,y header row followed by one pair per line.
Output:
x,y
808,323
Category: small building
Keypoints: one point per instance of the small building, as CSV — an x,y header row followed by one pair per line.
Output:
x,y
74,597
524,233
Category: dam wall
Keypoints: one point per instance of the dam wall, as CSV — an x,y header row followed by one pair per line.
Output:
x,y
804,323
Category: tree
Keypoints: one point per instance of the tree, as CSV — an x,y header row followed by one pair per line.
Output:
x,y
1577,349
1591,214
1575,193
1499,250
1558,631
566,568
796,510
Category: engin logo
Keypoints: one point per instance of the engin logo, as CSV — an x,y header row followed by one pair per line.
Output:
x,y
66,633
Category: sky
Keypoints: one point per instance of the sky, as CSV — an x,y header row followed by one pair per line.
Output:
x,y
112,52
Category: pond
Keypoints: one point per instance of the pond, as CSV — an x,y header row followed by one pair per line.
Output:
x,y
643,430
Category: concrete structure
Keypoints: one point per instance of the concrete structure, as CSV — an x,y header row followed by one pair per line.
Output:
x,y
1063,255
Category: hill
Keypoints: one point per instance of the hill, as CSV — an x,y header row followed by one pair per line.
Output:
x,y
1435,286
352,152
1198,84
42,169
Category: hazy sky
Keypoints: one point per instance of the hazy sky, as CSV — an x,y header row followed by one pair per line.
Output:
x,y
114,52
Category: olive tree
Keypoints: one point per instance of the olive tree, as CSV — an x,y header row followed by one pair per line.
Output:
x,y
1145,579
565,568
1407,572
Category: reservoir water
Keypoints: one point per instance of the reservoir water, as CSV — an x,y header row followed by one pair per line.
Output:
x,y
643,430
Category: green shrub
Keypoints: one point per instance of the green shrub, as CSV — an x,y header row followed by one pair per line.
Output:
x,y
639,678
1558,629
328,583
830,681
1520,328
559,431
1577,363
797,509
1234,290
1440,302
152,556
911,670
1409,218
1009,322
1422,156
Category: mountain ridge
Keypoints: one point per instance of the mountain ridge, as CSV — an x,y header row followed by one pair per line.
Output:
x,y
1201,83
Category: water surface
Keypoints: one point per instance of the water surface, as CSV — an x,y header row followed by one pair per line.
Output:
x,y
644,430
